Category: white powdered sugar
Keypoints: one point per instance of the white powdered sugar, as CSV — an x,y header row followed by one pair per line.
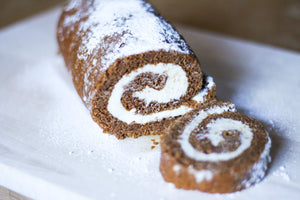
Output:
x,y
282,173
140,28
259,169
210,84
135,21
176,168
200,175
88,94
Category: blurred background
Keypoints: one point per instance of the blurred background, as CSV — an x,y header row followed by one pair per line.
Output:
x,y
273,22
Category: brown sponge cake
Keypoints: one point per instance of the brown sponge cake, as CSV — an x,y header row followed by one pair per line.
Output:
x,y
132,69
215,149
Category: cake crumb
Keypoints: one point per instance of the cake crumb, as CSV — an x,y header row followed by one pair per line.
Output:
x,y
154,142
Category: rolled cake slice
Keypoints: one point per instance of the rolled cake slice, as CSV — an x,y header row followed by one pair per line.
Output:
x,y
132,69
215,150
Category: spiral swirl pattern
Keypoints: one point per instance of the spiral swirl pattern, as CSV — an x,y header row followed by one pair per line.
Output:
x,y
215,149
174,88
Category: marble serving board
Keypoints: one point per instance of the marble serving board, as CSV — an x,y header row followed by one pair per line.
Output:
x,y
50,148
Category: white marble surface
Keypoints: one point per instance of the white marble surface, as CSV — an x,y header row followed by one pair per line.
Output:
x,y
51,149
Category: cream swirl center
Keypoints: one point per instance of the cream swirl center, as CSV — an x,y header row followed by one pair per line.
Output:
x,y
175,87
215,129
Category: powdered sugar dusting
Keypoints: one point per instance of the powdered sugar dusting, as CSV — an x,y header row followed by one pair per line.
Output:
x,y
202,96
282,172
200,175
259,169
128,27
176,168
135,21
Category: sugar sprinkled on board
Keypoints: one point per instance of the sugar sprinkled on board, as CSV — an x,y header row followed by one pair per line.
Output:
x,y
282,173
259,169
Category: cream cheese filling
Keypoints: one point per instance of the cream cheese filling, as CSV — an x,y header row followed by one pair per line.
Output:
x,y
175,87
215,129
201,96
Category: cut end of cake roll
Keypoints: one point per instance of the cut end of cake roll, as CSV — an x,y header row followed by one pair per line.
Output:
x,y
132,69
149,91
215,149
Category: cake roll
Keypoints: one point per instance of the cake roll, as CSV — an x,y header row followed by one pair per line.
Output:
x,y
215,149
132,69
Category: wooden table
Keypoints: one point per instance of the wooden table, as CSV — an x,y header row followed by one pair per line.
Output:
x,y
6,194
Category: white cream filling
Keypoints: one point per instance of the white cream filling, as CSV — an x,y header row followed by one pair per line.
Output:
x,y
175,87
200,97
215,129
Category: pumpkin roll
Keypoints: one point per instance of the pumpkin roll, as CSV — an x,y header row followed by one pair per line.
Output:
x,y
131,68
215,149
